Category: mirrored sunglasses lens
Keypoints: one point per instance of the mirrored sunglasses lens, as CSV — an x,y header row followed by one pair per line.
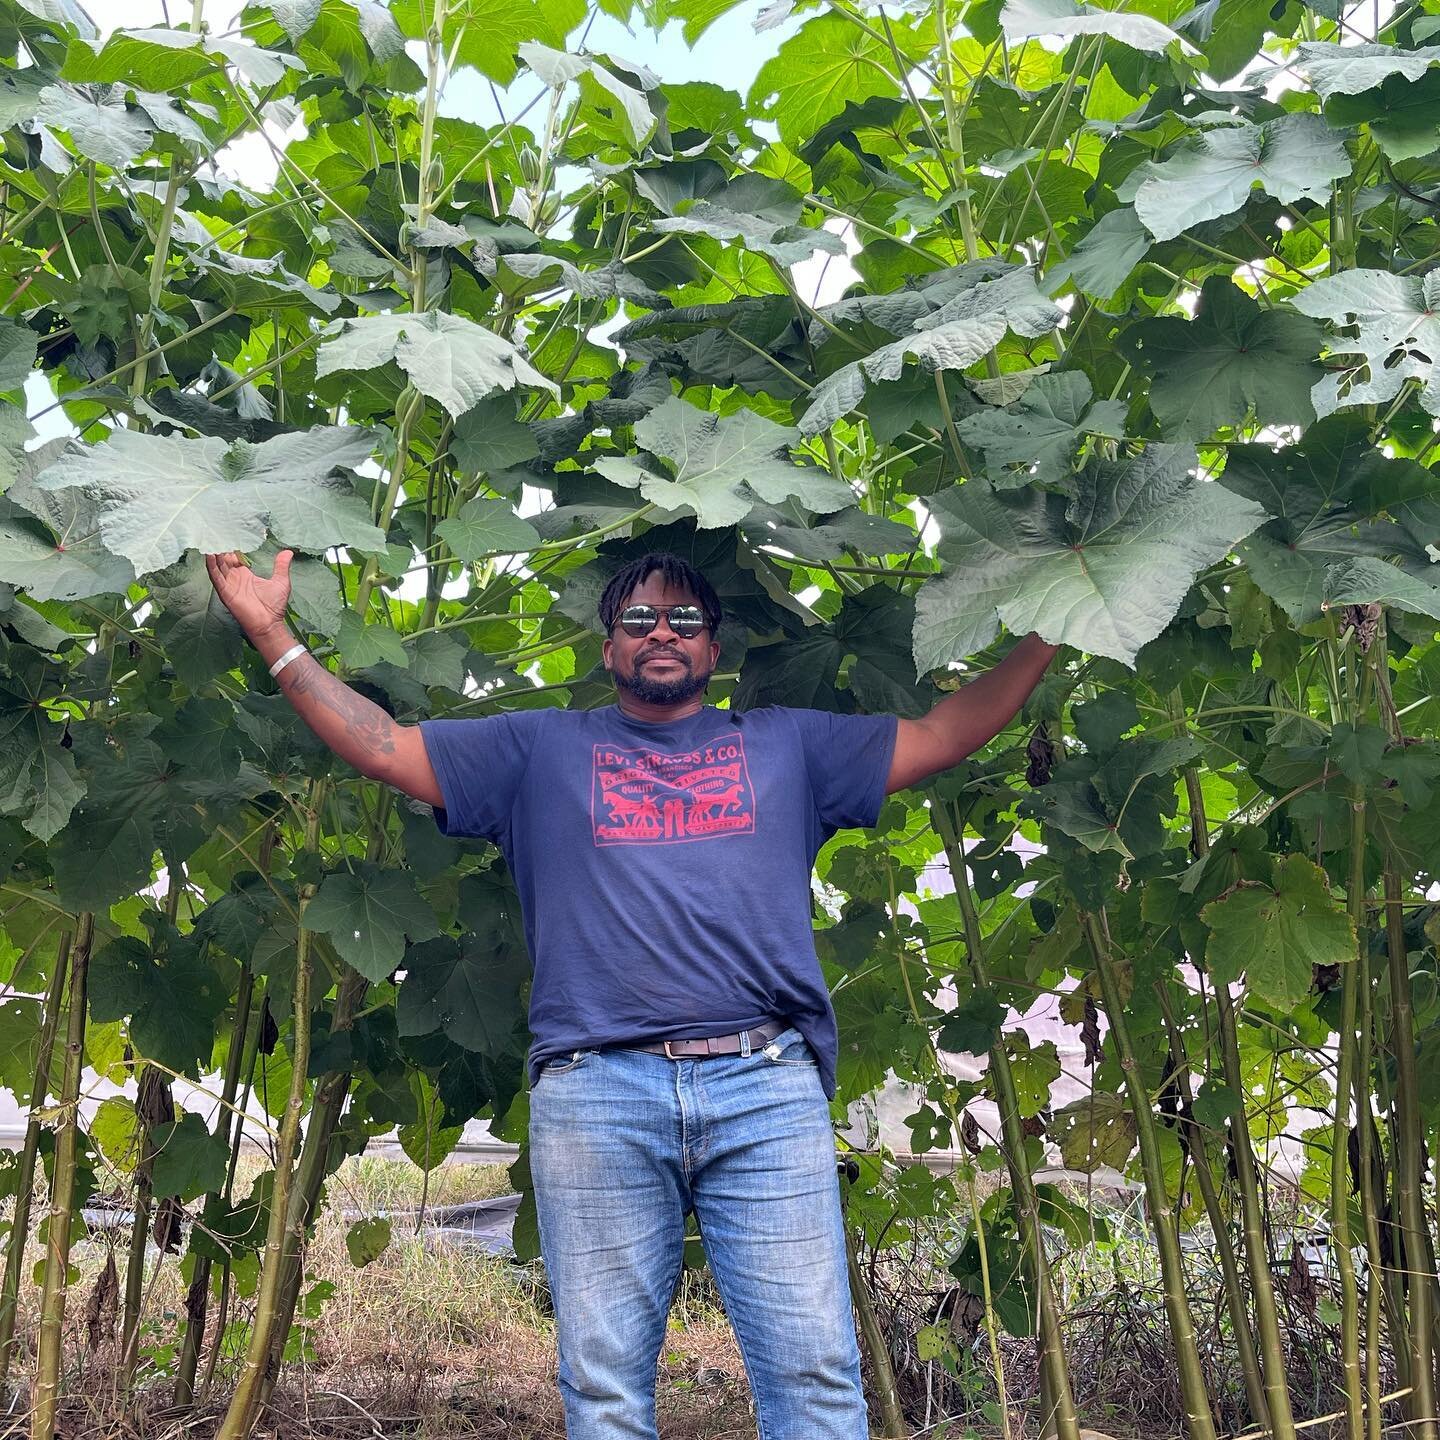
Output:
x,y
638,619
686,620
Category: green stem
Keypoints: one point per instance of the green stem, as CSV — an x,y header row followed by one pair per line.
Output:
x,y
328,1104
1277,1392
1410,1167
1199,1416
45,1398
1064,1420
197,1298
1351,979
25,1181
892,1414
243,1411
153,1097
1192,1137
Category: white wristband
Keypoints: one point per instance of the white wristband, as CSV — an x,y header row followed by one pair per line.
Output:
x,y
293,653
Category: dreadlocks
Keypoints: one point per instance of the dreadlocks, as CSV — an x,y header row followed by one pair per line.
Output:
x,y
678,574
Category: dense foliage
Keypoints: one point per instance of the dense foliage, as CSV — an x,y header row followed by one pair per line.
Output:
x,y
1141,354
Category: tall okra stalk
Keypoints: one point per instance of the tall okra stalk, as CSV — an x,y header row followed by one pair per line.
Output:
x,y
1408,1144
25,1183
1199,1415
244,1406
1247,1172
197,1297
46,1394
326,1107
1062,1417
1250,1368
1340,1189
1354,975
1410,1170
247,1072
1384,1288
892,1415
153,1106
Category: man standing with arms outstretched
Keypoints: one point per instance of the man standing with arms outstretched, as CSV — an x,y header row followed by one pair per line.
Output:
x,y
684,1042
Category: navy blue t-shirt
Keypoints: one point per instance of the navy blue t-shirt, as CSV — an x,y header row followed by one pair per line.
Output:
x,y
664,870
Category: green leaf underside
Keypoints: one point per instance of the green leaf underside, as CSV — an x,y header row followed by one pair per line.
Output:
x,y
1104,571
158,496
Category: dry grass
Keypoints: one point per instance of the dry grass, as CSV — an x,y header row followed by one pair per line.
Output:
x,y
428,1341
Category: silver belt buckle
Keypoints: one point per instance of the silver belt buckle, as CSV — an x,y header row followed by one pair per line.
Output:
x,y
668,1055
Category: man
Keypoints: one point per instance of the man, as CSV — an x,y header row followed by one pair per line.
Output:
x,y
684,1042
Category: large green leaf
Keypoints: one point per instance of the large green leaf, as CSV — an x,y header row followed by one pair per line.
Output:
x,y
1351,69
761,213
1104,571
367,913
1323,494
200,636
136,802
1038,435
1400,115
38,782
1292,158
487,527
1100,262
1397,320
868,639
447,357
64,557
18,347
158,58
829,64
469,989
1274,935
1116,803
189,1161
101,125
1235,360
160,495
961,331
720,464
172,1002
1021,19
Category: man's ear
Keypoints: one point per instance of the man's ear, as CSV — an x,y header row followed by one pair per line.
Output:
x,y
714,653
607,653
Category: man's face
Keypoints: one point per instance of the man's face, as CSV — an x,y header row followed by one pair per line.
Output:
x,y
661,668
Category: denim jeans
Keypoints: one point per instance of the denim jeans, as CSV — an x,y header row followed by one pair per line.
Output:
x,y
623,1144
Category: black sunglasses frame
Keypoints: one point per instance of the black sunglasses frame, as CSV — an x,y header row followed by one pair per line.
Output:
x,y
646,617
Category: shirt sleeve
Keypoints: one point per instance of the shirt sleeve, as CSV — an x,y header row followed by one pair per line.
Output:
x,y
848,759
479,763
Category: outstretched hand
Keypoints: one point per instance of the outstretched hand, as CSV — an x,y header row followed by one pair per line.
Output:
x,y
258,604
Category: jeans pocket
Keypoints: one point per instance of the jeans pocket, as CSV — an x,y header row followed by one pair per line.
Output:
x,y
564,1064
790,1049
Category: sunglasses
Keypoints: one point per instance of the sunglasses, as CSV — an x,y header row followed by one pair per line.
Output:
x,y
687,621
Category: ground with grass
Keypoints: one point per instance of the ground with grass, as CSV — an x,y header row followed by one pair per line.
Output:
x,y
429,1340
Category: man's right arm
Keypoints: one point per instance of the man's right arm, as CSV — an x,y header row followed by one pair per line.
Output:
x,y
356,729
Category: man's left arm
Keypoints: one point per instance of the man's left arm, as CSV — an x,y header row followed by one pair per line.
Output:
x,y
961,723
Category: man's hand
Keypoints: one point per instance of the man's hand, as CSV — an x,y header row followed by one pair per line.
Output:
x,y
258,604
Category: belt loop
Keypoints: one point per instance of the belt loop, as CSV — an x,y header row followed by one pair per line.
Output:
x,y
745,1044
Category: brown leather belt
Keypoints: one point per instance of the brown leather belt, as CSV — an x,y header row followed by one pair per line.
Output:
x,y
710,1045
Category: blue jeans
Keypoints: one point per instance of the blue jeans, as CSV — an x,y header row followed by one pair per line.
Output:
x,y
623,1144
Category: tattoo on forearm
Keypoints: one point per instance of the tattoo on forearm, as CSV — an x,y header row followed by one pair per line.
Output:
x,y
365,722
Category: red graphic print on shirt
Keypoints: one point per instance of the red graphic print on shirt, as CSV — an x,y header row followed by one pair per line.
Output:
x,y
639,797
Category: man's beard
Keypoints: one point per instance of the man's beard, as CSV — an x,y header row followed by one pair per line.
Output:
x,y
650,691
